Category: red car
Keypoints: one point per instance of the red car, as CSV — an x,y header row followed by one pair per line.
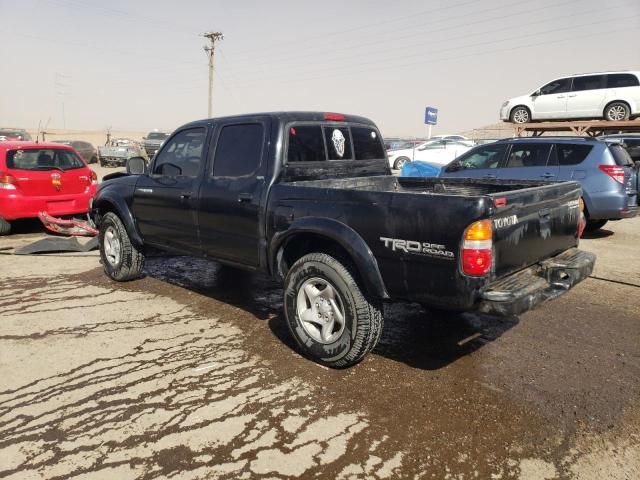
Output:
x,y
42,177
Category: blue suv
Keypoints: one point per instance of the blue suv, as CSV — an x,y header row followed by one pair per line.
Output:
x,y
607,174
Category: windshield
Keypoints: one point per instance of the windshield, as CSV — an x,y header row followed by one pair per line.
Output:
x,y
15,135
43,159
157,136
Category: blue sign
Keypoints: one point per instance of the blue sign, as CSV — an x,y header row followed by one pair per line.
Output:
x,y
431,116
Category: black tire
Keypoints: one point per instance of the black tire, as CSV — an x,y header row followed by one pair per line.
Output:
x,y
5,227
102,163
616,112
94,159
594,225
520,114
125,263
362,317
400,161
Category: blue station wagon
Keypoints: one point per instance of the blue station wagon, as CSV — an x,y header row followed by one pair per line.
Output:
x,y
607,174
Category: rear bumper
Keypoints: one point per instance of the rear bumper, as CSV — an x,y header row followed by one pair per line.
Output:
x,y
533,286
15,206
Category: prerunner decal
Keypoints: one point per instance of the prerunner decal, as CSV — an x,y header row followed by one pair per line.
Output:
x,y
338,142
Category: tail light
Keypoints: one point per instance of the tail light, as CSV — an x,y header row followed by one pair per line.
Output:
x,y
7,182
614,171
94,178
336,117
477,248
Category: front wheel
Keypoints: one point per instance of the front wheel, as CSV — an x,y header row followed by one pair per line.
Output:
x,y
121,260
616,112
399,163
520,115
329,316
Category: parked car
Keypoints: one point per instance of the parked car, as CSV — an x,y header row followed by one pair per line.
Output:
x,y
42,177
308,198
13,134
401,143
434,152
603,168
118,151
457,138
630,141
609,95
153,141
87,151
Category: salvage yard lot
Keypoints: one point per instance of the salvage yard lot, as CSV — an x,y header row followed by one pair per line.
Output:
x,y
191,373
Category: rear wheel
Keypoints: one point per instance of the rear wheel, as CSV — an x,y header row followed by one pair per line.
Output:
x,y
121,260
616,112
5,227
520,114
329,316
94,159
399,163
594,225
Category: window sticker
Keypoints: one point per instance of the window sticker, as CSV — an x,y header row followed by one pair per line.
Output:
x,y
338,142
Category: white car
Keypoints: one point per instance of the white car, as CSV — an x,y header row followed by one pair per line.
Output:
x,y
609,95
438,151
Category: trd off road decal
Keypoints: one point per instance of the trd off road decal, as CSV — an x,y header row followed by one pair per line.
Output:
x,y
338,142
420,248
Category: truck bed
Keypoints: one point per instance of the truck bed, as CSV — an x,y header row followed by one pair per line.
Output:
x,y
532,221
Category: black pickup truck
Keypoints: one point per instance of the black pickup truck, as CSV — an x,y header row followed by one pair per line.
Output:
x,y
309,199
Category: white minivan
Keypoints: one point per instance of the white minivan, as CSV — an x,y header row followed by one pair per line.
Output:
x,y
609,95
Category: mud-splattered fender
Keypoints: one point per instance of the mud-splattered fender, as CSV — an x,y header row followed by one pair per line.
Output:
x,y
112,198
345,236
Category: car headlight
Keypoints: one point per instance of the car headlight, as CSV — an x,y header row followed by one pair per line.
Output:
x,y
505,103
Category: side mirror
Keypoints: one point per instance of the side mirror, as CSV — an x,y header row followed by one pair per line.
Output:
x,y
536,93
136,166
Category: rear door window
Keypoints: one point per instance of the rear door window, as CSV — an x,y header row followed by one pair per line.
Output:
x,y
528,155
338,143
589,82
621,80
570,154
620,155
306,144
366,143
239,150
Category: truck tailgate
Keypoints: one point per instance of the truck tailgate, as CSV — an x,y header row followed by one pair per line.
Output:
x,y
533,224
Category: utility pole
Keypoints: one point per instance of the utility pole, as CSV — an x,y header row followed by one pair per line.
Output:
x,y
210,51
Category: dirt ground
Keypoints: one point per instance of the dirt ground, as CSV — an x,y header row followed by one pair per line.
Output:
x,y
190,373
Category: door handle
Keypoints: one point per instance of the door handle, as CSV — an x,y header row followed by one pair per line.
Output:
x,y
560,96
489,175
548,175
245,197
574,95
185,195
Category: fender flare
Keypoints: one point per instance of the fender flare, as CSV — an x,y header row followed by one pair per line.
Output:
x,y
117,203
345,236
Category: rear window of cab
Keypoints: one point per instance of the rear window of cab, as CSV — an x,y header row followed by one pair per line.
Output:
x,y
42,159
327,142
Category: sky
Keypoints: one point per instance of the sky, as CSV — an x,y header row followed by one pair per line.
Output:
x,y
140,65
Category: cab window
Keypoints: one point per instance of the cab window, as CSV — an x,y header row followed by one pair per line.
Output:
x,y
182,156
239,150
